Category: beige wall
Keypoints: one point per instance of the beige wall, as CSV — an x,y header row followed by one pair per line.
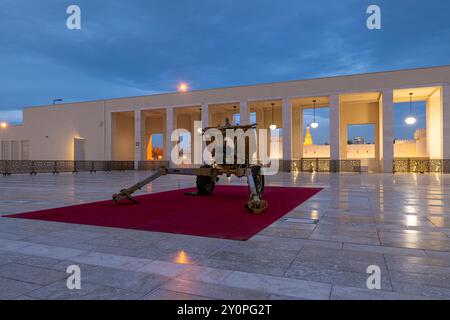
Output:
x,y
51,130
123,136
316,151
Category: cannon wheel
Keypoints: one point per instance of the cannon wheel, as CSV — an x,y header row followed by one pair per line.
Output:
x,y
258,178
205,184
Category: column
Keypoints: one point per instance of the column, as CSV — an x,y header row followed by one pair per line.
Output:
x,y
286,113
205,123
387,131
297,133
169,129
109,134
446,128
446,121
335,128
205,115
244,113
137,138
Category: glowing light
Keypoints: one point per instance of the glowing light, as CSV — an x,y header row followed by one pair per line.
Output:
x,y
314,125
183,87
199,130
182,258
410,210
273,126
314,214
411,220
410,121
159,157
3,125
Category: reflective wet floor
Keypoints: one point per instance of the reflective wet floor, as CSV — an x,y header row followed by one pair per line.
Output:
x,y
397,224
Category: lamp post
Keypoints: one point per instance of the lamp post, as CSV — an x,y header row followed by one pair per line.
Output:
x,y
183,87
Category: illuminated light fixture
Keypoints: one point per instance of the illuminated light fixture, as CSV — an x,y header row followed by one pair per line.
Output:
x,y
314,124
273,126
183,87
199,130
3,125
410,120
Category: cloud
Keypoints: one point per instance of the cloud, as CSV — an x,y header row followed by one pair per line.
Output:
x,y
145,47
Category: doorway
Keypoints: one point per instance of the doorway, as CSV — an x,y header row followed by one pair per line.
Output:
x,y
79,149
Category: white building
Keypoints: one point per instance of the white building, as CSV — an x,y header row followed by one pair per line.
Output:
x,y
126,128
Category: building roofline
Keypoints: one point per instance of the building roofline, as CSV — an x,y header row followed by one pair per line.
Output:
x,y
245,86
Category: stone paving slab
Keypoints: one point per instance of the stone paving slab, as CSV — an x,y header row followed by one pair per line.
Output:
x,y
398,222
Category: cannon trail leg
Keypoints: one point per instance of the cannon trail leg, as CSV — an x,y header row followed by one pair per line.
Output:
x,y
126,193
255,203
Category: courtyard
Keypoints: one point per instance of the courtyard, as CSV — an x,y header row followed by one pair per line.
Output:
x,y
319,250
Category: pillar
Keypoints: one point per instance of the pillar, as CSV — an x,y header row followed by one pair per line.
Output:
x,y
387,131
286,113
244,113
446,127
137,138
297,133
109,134
169,130
205,115
335,127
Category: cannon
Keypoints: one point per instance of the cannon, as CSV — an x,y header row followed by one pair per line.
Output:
x,y
208,175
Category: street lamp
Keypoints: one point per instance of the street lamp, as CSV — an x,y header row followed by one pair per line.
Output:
x,y
182,87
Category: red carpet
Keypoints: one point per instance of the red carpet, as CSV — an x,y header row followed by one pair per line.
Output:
x,y
221,215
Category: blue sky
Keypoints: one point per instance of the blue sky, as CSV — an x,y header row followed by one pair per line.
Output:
x,y
142,47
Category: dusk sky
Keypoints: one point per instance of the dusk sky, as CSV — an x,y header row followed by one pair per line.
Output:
x,y
128,48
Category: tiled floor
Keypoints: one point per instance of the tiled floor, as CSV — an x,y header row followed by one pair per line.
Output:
x,y
400,223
